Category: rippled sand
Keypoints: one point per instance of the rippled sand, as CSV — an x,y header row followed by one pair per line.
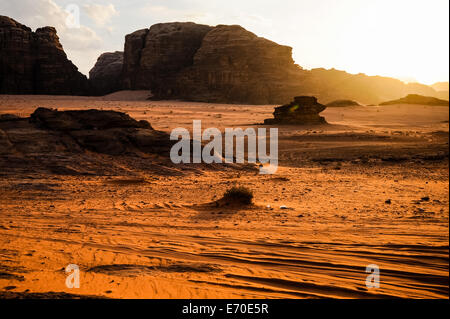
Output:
x,y
150,234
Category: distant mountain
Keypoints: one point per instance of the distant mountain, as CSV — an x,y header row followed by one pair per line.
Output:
x,y
418,99
442,89
329,85
440,86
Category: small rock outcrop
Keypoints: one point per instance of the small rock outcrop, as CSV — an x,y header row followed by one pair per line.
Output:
x,y
81,142
418,99
105,76
35,62
107,132
343,103
304,110
93,119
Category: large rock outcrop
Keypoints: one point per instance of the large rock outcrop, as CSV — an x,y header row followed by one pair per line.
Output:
x,y
105,76
304,110
229,64
234,65
35,62
212,64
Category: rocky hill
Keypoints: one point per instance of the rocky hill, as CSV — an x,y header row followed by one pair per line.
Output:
x,y
35,62
418,99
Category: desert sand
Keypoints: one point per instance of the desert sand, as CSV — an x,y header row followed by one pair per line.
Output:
x,y
369,188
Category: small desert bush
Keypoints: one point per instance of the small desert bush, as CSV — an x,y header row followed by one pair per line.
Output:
x,y
238,195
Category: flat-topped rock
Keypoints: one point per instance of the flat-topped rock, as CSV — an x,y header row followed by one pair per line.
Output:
x,y
84,120
304,110
49,131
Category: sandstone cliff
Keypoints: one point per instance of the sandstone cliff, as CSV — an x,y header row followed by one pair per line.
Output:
x,y
105,76
154,57
35,62
201,63
234,65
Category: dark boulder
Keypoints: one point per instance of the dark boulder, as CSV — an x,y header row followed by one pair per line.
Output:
x,y
304,110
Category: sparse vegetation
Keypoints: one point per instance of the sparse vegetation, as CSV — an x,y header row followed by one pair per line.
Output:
x,y
238,194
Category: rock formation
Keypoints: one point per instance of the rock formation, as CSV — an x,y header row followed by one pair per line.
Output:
x,y
234,65
105,76
185,61
418,99
107,132
35,62
343,103
304,110
202,63
81,142
154,57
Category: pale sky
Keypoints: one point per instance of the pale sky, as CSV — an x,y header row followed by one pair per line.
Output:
x,y
406,39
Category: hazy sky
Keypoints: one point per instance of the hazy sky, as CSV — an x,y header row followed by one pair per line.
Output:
x,y
407,39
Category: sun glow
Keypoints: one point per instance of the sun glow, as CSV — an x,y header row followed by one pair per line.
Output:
x,y
402,39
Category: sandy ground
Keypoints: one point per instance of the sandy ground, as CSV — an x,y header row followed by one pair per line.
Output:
x,y
159,236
